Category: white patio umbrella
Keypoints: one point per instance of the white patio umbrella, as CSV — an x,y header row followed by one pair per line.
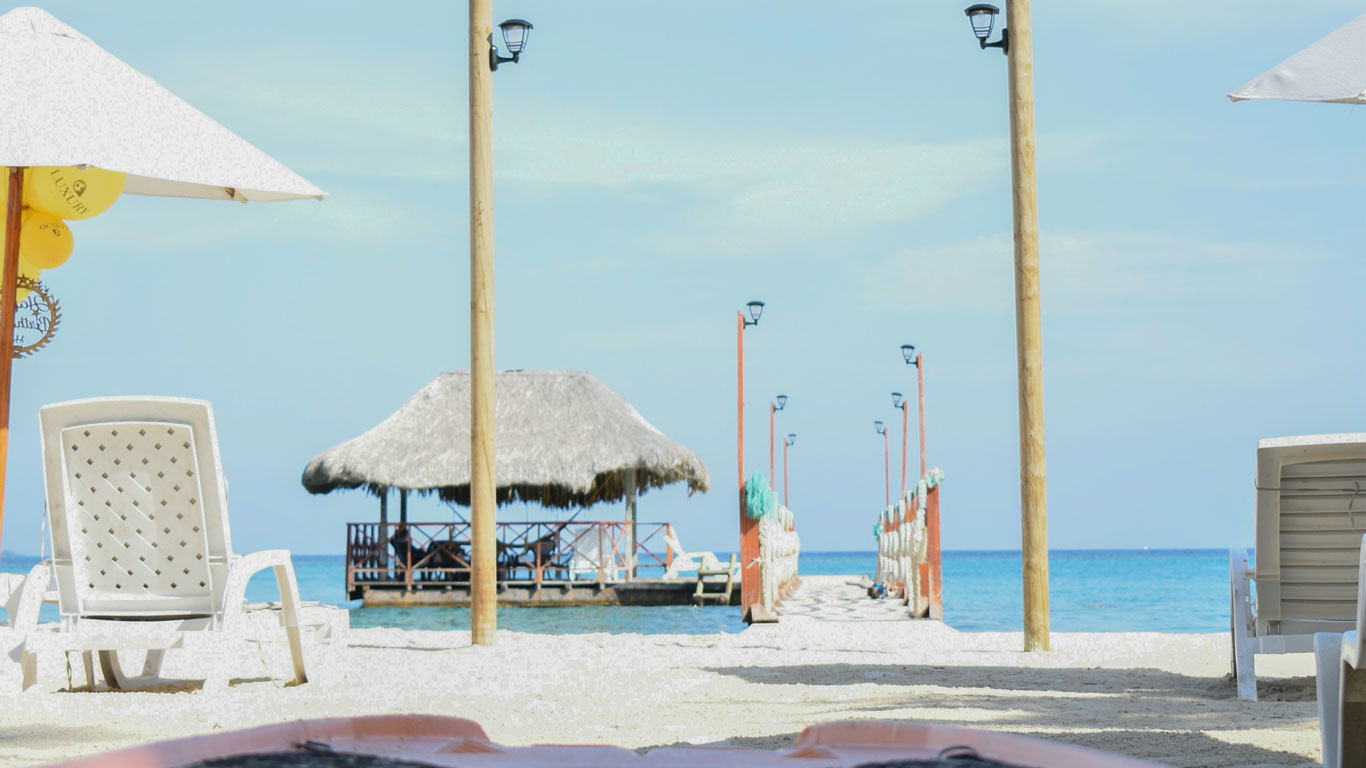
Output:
x,y
1332,70
64,101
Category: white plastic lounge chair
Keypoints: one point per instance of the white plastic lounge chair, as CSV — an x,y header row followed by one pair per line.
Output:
x,y
1310,516
141,548
684,561
1341,684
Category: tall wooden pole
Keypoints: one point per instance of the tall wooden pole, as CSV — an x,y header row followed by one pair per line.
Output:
x,y
904,417
8,291
751,609
772,478
1028,331
920,383
786,502
483,593
887,466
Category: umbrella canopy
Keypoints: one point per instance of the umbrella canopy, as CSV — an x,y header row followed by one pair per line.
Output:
x,y
1332,70
564,440
66,101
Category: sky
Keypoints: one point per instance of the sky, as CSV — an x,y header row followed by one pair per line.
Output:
x,y
657,165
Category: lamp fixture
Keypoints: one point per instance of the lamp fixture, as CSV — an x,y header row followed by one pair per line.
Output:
x,y
515,34
896,401
782,402
756,308
983,18
908,354
792,438
880,429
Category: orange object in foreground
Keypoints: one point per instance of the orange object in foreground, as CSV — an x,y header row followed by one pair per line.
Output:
x,y
454,741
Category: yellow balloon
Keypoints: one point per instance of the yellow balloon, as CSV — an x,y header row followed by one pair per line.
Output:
x,y
67,192
45,240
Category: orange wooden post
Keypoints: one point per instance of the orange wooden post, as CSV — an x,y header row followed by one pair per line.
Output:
x,y
920,382
751,609
905,412
8,293
772,411
933,556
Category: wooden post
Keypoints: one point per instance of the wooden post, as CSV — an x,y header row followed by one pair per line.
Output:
x,y
403,507
933,556
905,415
887,466
384,531
772,412
1028,330
751,609
920,384
8,294
630,524
786,502
483,591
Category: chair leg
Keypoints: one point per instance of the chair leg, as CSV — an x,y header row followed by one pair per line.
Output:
x,y
152,666
289,609
113,673
1327,682
1244,663
88,664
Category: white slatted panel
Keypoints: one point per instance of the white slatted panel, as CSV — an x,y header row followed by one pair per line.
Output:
x,y
1322,519
134,513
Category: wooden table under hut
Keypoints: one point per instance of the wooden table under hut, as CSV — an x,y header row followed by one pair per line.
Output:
x,y
564,441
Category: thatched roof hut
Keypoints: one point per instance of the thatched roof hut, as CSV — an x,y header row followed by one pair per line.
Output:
x,y
564,440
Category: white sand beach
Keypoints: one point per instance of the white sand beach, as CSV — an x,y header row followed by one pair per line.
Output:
x,y
1164,697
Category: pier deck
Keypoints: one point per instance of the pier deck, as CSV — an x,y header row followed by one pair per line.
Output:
x,y
839,598
550,593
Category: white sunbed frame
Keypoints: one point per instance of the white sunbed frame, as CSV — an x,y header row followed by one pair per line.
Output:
x,y
142,556
1310,517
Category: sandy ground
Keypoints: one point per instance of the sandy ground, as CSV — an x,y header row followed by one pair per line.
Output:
x,y
1158,696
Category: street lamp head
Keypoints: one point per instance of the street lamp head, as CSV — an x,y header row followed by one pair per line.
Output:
x,y
756,308
782,402
878,426
908,353
983,18
896,400
515,34
792,438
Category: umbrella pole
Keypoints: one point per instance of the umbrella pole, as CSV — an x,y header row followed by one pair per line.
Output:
x,y
8,291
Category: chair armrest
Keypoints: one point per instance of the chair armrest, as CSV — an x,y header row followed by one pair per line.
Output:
x,y
25,596
241,570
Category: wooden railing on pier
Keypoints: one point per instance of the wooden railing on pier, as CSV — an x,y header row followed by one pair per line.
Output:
x,y
423,555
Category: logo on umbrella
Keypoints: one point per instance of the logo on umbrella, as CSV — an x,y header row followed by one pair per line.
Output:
x,y
35,319
78,186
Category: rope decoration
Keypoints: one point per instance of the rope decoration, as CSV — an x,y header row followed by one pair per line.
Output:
x,y
779,547
902,541
760,500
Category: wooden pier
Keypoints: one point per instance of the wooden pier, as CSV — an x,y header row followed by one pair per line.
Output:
x,y
539,564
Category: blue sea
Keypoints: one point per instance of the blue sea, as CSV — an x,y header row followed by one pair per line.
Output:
x,y
1090,591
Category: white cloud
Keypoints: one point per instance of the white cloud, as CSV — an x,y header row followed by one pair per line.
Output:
x,y
1091,273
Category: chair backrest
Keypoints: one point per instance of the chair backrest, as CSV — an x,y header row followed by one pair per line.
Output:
x,y
1311,514
137,505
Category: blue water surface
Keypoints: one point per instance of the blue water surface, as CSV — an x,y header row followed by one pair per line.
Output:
x,y
1089,591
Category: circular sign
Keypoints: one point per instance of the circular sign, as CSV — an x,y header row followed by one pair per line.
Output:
x,y
35,318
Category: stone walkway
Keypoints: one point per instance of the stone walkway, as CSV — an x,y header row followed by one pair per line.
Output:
x,y
839,598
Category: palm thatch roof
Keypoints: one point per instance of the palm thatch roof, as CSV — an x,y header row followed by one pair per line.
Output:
x,y
563,440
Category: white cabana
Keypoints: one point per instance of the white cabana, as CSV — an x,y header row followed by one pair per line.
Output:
x,y
1332,70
